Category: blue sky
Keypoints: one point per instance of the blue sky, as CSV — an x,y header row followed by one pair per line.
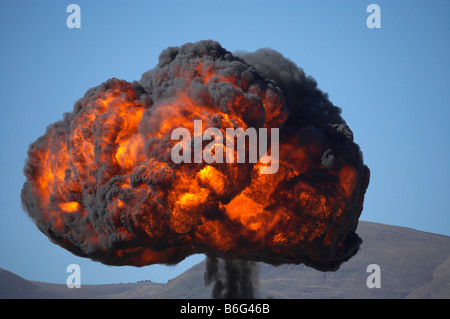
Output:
x,y
392,84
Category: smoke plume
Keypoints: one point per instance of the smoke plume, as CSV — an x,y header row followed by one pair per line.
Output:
x,y
237,279
101,182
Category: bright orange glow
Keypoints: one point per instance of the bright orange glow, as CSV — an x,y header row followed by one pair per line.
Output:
x,y
213,178
245,211
69,207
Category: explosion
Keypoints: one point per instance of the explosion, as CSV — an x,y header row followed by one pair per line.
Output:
x,y
102,184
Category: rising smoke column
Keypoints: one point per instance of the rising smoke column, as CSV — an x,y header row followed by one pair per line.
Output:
x,y
237,279
101,182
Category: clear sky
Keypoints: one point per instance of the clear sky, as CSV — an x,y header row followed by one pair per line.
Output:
x,y
392,84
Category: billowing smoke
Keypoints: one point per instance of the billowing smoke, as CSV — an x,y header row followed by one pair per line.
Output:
x,y
102,182
237,279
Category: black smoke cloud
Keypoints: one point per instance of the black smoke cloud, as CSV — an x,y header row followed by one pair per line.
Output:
x,y
100,182
235,279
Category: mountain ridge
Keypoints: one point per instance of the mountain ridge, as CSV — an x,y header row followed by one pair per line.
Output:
x,y
413,264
